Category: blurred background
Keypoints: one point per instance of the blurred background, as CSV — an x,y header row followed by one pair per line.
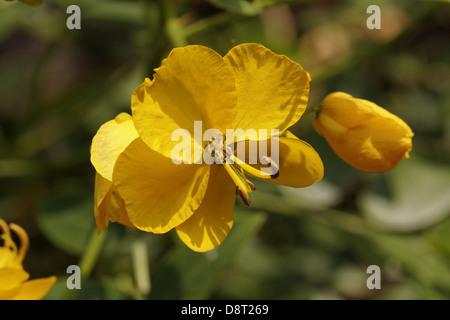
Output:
x,y
57,86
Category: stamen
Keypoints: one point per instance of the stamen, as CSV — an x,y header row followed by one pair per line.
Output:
x,y
243,185
273,166
248,182
6,236
241,188
258,173
214,148
244,195
252,186
24,240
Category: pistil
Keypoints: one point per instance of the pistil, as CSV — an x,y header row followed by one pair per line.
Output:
x,y
258,173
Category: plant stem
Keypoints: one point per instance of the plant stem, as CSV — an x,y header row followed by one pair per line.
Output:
x,y
315,109
90,256
209,23
140,266
170,23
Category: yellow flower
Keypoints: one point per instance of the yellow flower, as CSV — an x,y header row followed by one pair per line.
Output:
x,y
14,283
363,134
194,90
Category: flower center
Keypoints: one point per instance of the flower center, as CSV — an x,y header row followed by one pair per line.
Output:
x,y
222,154
9,244
217,149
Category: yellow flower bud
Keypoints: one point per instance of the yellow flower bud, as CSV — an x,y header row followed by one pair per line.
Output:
x,y
362,133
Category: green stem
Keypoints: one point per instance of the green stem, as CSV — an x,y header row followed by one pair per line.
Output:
x,y
171,25
315,109
140,266
89,259
209,23
90,256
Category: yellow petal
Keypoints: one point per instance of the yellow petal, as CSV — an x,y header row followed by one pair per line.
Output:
x,y
101,189
362,133
8,258
299,165
109,206
212,221
10,293
194,83
12,277
272,89
35,289
348,111
111,139
158,194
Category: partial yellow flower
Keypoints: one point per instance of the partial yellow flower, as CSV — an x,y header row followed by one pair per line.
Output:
x,y
249,88
362,133
14,283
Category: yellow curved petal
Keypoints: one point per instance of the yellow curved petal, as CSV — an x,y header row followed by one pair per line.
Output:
x,y
194,83
158,194
111,139
101,189
35,289
10,293
212,221
299,165
272,89
109,206
11,278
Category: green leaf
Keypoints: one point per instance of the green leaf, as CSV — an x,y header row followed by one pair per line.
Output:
x,y
91,289
67,220
319,196
11,18
237,6
186,274
440,237
419,260
420,197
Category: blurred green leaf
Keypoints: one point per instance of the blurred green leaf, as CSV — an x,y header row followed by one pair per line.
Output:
x,y
91,289
440,237
420,261
420,197
11,17
319,196
116,11
67,220
237,6
189,275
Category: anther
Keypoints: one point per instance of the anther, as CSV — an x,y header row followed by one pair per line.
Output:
x,y
273,166
252,186
243,194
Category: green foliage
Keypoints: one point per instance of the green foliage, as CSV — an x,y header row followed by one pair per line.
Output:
x,y
57,86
